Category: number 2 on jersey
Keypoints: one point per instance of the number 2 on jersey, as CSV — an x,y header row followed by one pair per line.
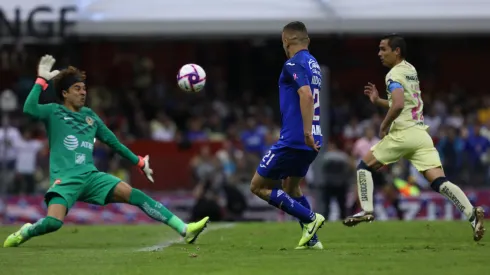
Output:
x,y
316,103
415,110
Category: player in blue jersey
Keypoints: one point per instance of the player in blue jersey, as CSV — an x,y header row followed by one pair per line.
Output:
x,y
300,139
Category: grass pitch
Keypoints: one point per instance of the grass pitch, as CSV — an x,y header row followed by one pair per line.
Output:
x,y
252,249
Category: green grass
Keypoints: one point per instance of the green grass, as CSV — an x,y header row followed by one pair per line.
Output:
x,y
254,249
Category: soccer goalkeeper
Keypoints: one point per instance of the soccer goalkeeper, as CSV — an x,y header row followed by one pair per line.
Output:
x,y
72,129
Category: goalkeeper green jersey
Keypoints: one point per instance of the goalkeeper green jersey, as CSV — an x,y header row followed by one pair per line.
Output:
x,y
72,135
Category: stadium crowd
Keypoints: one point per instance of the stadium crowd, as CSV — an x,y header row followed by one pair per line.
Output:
x,y
132,87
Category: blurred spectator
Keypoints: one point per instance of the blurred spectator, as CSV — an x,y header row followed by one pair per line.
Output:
x,y
228,156
353,130
476,149
252,138
209,179
433,121
162,128
195,131
484,111
8,152
455,119
363,145
451,148
338,174
27,149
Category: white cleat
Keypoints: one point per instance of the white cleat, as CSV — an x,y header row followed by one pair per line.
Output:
x,y
477,223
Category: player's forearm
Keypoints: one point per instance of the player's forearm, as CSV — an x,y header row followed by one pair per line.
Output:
x,y
306,105
126,153
31,105
392,114
108,137
382,103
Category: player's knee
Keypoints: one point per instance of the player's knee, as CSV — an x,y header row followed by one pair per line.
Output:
x,y
257,184
436,184
363,166
53,224
254,187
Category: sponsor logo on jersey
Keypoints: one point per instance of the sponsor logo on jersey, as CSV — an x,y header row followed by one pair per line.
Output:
x,y
313,64
70,142
86,144
89,120
314,67
80,158
412,78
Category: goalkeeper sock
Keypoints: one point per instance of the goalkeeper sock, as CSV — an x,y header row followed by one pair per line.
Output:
x,y
365,186
283,201
454,194
43,226
156,211
304,202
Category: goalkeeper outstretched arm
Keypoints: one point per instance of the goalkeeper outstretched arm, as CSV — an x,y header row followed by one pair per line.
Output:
x,y
108,137
32,106
44,74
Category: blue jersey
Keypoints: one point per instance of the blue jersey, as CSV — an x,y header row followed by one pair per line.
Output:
x,y
301,70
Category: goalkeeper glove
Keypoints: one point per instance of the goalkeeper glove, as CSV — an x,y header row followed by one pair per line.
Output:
x,y
144,165
44,73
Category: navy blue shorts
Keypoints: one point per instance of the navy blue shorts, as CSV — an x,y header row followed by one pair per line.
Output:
x,y
283,162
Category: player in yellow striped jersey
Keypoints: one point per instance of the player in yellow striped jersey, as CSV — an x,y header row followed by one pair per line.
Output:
x,y
404,135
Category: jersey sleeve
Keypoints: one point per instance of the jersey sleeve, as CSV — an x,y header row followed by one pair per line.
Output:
x,y
32,106
394,80
107,136
298,72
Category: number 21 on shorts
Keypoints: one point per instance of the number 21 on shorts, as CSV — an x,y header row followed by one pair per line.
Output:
x,y
267,158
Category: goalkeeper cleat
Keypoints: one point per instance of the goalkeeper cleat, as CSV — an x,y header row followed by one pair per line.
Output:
x,y
194,229
310,229
315,246
477,223
16,239
358,218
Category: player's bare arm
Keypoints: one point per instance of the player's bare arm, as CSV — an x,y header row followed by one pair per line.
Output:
x,y
371,91
395,110
306,105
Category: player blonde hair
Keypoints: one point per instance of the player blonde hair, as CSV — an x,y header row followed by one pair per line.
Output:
x,y
66,78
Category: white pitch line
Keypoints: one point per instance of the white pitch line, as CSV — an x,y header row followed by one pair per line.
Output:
x,y
170,242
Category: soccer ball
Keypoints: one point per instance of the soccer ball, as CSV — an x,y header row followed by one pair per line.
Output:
x,y
191,78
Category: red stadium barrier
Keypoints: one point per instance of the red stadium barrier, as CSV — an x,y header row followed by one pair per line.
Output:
x,y
170,164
